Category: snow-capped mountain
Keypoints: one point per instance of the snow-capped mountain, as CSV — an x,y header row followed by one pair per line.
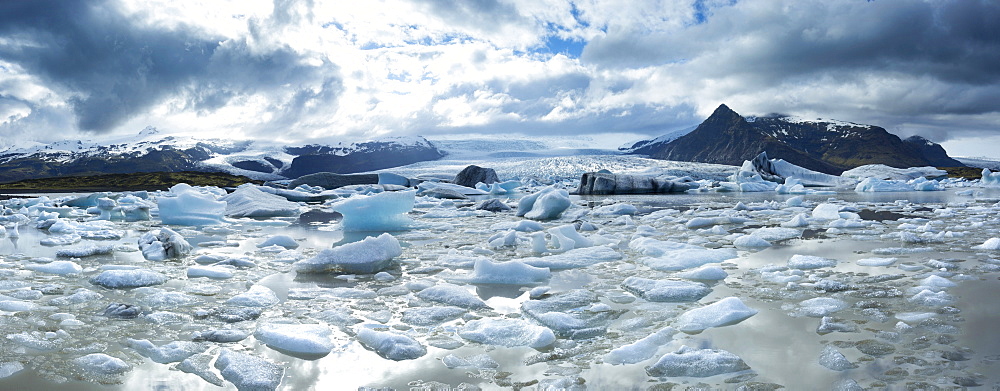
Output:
x,y
150,151
822,145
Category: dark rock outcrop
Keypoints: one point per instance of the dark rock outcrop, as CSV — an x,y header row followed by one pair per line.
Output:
x,y
492,205
473,174
122,311
330,181
607,183
829,147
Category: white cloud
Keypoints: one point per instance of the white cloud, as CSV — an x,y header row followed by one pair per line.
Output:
x,y
347,70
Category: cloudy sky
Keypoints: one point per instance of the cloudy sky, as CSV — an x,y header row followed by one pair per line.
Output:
x,y
296,70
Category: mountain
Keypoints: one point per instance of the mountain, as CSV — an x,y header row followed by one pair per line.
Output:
x,y
933,152
361,157
827,146
149,151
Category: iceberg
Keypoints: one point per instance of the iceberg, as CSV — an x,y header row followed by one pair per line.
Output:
x,y
507,332
990,179
884,172
666,290
131,278
249,372
163,244
305,339
103,364
249,201
778,170
547,204
602,183
507,273
369,256
728,311
389,345
379,212
691,362
640,350
188,206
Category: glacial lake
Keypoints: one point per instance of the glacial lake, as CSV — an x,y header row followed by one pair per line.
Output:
x,y
948,343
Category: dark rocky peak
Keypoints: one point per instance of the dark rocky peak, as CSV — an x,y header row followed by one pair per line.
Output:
x,y
723,115
933,152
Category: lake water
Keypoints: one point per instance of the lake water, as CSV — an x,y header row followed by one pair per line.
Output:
x,y
956,345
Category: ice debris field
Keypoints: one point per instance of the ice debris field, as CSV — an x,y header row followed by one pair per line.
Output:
x,y
514,285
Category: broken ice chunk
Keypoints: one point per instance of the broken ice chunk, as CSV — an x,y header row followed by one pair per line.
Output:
x,y
163,244
257,296
640,350
172,352
452,295
576,314
989,244
666,290
371,255
834,360
389,345
705,273
580,257
728,311
508,273
819,307
56,267
102,364
692,362
124,279
803,262
507,332
429,316
479,361
248,372
280,240
306,339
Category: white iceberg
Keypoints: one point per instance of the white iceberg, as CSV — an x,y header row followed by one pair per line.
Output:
x,y
507,332
728,311
371,255
547,204
379,212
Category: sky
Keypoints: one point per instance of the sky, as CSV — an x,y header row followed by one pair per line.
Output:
x,y
299,71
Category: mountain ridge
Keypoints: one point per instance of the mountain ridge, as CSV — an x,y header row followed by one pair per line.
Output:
x,y
827,146
150,151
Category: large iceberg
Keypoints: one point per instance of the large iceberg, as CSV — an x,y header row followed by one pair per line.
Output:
x,y
608,183
547,204
884,172
778,170
379,212
189,206
990,179
371,255
249,201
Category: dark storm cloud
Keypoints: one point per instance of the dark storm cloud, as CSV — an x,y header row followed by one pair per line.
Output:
x,y
956,41
112,68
